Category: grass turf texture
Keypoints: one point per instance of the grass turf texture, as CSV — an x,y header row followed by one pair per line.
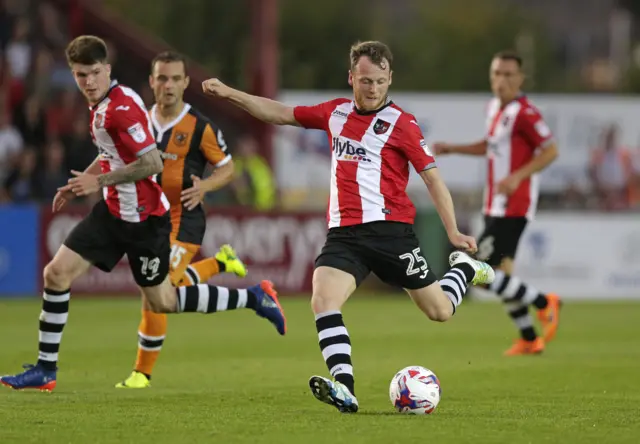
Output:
x,y
229,377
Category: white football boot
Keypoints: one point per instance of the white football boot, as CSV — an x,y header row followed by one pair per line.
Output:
x,y
484,273
333,393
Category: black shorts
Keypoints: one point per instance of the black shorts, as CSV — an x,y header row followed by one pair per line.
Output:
x,y
189,226
500,238
389,249
103,239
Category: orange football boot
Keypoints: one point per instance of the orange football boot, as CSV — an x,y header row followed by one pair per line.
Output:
x,y
549,316
524,347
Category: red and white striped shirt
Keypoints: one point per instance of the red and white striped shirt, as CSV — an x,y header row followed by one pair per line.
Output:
x,y
514,134
121,129
370,160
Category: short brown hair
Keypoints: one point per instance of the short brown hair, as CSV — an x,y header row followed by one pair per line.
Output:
x,y
376,51
168,57
509,55
87,50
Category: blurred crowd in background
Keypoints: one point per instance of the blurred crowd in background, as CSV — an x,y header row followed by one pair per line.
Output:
x,y
44,120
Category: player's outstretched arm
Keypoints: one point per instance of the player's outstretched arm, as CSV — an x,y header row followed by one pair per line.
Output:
x,y
146,165
471,149
267,110
444,205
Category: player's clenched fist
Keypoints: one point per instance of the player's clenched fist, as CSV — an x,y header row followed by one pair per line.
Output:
x,y
467,243
440,148
214,87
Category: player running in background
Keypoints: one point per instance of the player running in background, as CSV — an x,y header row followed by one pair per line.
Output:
x,y
188,141
133,219
370,215
518,144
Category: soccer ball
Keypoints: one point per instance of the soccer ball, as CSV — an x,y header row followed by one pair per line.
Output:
x,y
415,390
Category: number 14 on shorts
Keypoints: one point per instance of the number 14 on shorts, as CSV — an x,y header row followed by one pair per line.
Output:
x,y
416,263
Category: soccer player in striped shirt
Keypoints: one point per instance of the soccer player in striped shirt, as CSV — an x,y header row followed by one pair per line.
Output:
x,y
132,219
370,216
518,144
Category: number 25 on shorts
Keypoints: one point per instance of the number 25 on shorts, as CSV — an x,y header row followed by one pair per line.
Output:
x,y
416,263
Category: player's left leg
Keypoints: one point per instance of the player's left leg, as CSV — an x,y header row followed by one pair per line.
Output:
x,y
149,258
204,298
153,326
395,257
517,297
152,329
497,246
439,299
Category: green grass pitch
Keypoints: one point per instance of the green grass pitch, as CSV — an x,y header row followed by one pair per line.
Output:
x,y
230,378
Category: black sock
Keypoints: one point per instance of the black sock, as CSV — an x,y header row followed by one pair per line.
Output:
x,y
53,318
335,346
540,301
205,298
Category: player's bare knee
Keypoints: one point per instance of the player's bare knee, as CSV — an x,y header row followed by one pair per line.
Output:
x,y
433,303
161,298
439,313
322,302
162,305
145,303
56,277
331,288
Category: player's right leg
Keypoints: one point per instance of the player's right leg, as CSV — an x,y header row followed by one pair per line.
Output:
x,y
331,289
64,268
88,243
339,271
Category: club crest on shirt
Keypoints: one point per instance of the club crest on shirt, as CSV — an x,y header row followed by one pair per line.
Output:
x,y
180,138
381,127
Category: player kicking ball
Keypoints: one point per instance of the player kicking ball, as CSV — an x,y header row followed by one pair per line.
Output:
x,y
518,145
133,219
188,142
370,215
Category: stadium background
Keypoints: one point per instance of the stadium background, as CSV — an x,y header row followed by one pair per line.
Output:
x,y
582,73
582,58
